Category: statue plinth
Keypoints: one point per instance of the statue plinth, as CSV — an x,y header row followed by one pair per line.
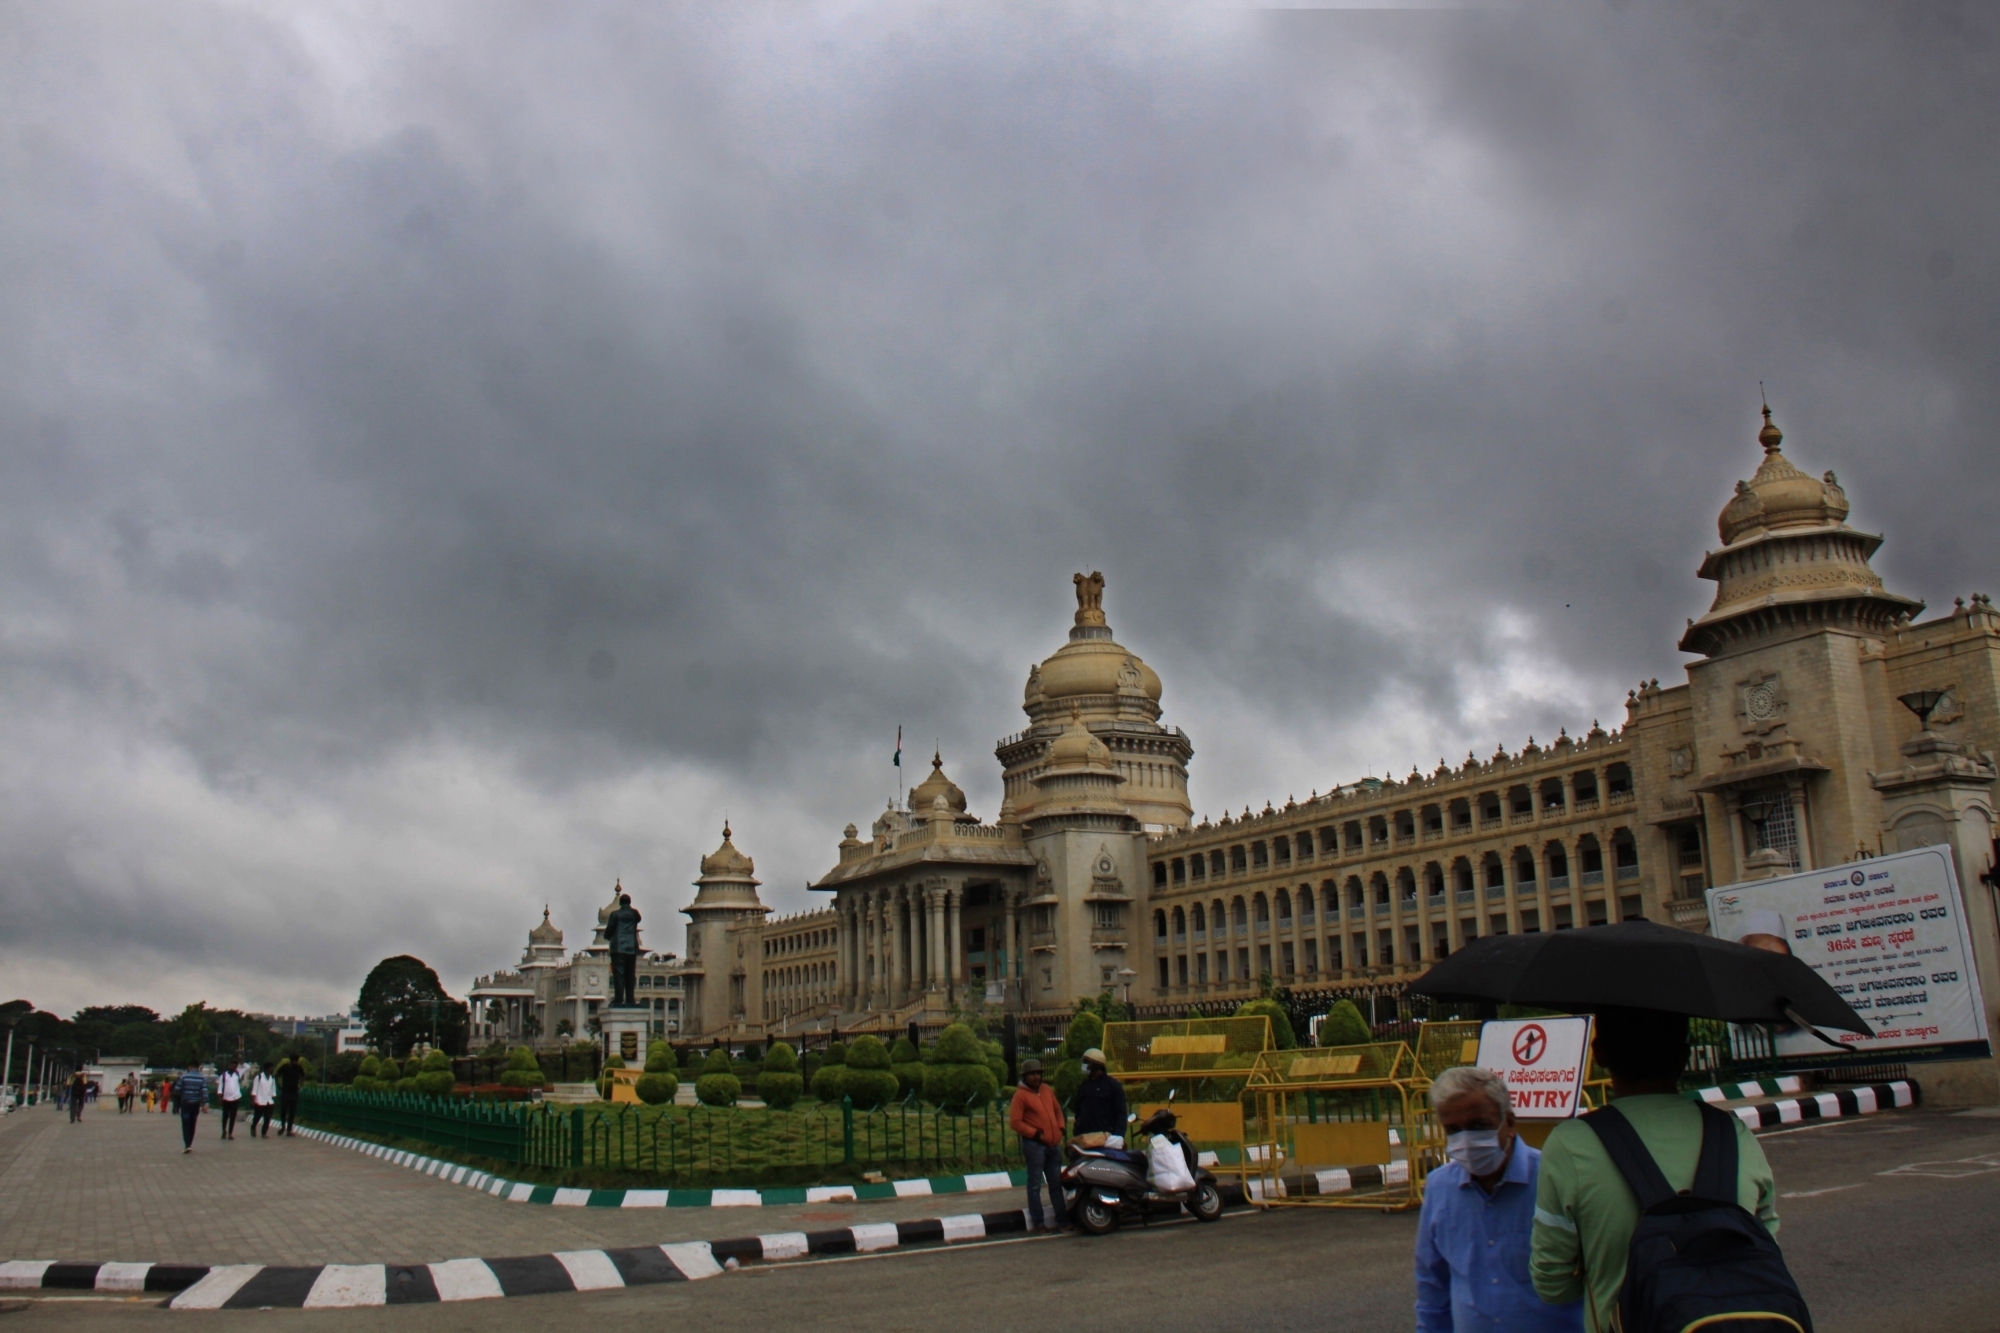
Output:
x,y
627,1029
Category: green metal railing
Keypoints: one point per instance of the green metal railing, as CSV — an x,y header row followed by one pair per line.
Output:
x,y
680,1145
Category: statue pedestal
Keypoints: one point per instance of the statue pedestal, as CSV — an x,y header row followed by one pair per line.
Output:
x,y
627,1029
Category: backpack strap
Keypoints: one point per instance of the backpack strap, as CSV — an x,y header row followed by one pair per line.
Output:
x,y
1628,1153
1715,1173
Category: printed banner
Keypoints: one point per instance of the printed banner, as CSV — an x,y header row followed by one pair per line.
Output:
x,y
1543,1061
1889,934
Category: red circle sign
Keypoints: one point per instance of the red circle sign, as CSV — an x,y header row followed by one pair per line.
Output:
x,y
1529,1044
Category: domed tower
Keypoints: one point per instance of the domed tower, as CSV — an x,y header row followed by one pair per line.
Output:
x,y
1116,697
724,967
1789,562
1783,703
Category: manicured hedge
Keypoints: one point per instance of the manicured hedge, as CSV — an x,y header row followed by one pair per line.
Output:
x,y
780,1084
718,1089
907,1066
958,1077
868,1080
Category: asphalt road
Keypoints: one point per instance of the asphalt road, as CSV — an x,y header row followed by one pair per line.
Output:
x,y
1890,1224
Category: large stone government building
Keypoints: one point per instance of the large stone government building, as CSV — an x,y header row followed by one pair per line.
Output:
x,y
1785,748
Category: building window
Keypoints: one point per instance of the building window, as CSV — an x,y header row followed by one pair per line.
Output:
x,y
1772,826
1107,916
1285,958
1199,866
1312,957
1201,969
1243,964
1163,974
1263,959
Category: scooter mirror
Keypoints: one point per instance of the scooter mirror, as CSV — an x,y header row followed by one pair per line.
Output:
x,y
1171,1092
1130,1116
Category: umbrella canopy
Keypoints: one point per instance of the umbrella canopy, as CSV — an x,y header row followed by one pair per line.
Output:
x,y
1641,965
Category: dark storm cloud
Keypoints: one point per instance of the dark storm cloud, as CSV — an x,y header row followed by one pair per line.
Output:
x,y
453,457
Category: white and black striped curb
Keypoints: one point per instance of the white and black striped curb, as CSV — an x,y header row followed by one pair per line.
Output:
x,y
1339,1180
1761,1087
325,1286
519,1191
1830,1105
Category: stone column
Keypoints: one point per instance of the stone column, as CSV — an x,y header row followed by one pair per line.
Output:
x,y
843,953
870,975
899,972
1013,963
934,934
954,950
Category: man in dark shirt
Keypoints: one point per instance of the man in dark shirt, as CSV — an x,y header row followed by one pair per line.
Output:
x,y
1100,1101
291,1073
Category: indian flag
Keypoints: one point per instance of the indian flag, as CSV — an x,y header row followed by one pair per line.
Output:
x,y
898,760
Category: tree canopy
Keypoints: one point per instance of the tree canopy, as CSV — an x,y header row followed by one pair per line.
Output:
x,y
403,1002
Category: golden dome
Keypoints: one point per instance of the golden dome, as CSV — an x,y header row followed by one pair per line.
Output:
x,y
546,933
925,793
1780,496
1092,662
726,861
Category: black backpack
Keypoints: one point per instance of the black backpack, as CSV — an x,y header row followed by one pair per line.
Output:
x,y
1699,1259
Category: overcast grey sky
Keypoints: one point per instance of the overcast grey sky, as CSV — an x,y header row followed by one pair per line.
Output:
x,y
452,455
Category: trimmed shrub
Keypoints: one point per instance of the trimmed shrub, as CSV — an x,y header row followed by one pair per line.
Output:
x,y
522,1070
718,1089
907,1066
657,1089
868,1080
1281,1022
780,1084
390,1071
436,1062
809,1065
1086,1030
433,1083
996,1060
958,1076
406,1086
717,1062
660,1060
828,1081
1344,1026
370,1067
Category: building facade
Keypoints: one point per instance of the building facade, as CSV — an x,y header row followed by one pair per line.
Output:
x,y
1821,720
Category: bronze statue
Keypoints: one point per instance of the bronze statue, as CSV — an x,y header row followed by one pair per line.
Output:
x,y
1089,598
621,933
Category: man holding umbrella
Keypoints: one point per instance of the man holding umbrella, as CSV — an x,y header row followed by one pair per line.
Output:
x,y
1584,1211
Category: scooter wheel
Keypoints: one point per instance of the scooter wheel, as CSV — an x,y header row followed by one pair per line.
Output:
x,y
1095,1217
1206,1203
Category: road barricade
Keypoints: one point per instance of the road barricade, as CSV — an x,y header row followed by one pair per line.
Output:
x,y
1341,1127
1206,1063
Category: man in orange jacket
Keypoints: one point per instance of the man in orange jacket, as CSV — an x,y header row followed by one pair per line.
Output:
x,y
1038,1118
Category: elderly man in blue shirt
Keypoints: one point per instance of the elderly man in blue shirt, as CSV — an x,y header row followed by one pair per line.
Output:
x,y
1479,1214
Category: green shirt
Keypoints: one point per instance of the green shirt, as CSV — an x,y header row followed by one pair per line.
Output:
x,y
1585,1213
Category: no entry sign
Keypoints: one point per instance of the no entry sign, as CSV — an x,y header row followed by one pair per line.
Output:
x,y
1543,1061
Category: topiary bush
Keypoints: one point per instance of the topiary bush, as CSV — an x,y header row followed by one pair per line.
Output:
x,y
718,1089
1086,1030
406,1086
908,1067
522,1070
829,1079
660,1059
809,1064
390,1071
717,1062
370,1067
958,1077
1281,1022
780,1084
1344,1026
657,1089
868,1080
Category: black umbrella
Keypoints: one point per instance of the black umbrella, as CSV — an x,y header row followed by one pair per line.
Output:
x,y
1641,965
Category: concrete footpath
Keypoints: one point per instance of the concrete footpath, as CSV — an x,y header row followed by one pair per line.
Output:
x,y
117,1188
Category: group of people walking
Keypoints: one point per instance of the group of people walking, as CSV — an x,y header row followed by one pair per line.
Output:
x,y
269,1088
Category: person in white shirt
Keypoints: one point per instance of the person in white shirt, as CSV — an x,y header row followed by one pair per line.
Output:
x,y
230,1089
263,1095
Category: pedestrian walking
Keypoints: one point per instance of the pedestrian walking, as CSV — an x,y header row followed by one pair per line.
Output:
x,y
1037,1117
1099,1104
1585,1212
291,1073
229,1090
1478,1217
263,1095
190,1094
79,1091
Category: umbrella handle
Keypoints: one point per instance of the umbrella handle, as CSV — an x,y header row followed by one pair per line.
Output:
x,y
1793,1014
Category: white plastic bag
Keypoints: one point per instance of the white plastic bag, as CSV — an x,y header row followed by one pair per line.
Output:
x,y
1169,1165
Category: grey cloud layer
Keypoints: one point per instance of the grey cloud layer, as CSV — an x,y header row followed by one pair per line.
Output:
x,y
595,409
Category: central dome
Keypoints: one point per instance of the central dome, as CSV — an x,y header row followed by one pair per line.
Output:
x,y
1092,662
1780,495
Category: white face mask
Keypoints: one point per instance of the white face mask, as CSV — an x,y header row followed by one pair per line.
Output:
x,y
1477,1150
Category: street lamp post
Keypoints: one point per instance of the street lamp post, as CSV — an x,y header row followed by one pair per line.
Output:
x,y
1126,976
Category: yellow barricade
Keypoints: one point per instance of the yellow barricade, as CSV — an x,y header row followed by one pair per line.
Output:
x,y
1206,1063
1347,1127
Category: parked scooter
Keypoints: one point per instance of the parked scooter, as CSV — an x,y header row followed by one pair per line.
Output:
x,y
1105,1185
